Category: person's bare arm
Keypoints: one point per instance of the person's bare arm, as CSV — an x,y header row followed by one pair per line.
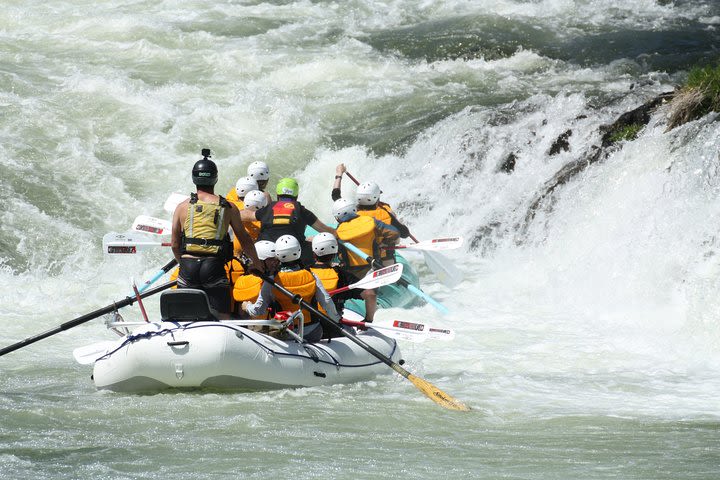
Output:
x,y
177,225
321,227
247,215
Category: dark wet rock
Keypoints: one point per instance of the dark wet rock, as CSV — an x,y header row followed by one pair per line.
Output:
x,y
561,144
611,135
485,237
508,165
638,117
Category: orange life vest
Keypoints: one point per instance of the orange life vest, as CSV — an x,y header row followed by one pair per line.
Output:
x,y
298,282
329,278
360,231
247,289
381,212
232,197
234,269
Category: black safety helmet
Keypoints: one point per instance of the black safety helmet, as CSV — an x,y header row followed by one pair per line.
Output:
x,y
205,172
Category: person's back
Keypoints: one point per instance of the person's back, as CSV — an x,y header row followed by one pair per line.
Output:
x,y
331,274
200,239
287,216
364,233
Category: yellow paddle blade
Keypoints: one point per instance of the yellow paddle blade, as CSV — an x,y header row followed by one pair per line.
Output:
x,y
437,395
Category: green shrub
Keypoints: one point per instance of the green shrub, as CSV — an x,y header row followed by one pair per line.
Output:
x,y
626,132
707,80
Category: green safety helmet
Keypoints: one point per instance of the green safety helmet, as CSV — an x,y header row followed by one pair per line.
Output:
x,y
288,187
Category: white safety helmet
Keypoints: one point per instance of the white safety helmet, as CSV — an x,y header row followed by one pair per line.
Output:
x,y
255,200
287,248
244,185
265,249
324,243
259,171
344,209
368,193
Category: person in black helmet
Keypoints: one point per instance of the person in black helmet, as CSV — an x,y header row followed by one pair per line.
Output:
x,y
200,240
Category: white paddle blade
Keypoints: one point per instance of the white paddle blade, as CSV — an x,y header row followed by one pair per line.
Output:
x,y
127,243
435,245
89,353
443,268
173,201
430,332
155,226
380,277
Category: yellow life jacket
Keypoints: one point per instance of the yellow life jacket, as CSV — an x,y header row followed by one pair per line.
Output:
x,y
247,289
232,197
299,282
381,212
360,231
205,231
174,275
234,269
329,278
253,229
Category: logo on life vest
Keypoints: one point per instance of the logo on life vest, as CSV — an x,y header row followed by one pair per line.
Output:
x,y
289,205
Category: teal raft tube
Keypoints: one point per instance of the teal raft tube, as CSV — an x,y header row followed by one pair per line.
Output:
x,y
389,296
392,296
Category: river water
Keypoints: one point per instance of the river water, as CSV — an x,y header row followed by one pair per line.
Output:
x,y
587,341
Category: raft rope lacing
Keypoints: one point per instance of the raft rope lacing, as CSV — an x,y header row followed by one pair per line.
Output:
x,y
250,335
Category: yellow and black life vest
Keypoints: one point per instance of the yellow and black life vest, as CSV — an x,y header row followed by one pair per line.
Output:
x,y
298,282
360,231
205,232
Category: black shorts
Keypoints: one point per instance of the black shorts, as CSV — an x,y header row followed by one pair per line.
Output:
x,y
208,274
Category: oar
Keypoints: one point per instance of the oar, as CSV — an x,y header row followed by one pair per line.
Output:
x,y
128,243
375,279
412,288
433,245
409,330
165,269
89,353
430,390
441,266
155,226
84,318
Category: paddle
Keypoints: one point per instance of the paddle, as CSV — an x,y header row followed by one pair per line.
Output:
x,y
155,226
165,269
84,318
174,200
374,279
430,390
434,245
409,330
441,266
128,243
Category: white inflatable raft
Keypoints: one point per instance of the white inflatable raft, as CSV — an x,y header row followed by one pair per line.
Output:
x,y
182,354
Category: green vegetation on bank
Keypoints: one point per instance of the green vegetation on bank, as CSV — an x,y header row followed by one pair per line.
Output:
x,y
699,96
625,133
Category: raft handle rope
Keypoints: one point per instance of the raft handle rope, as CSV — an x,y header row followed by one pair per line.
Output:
x,y
269,351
